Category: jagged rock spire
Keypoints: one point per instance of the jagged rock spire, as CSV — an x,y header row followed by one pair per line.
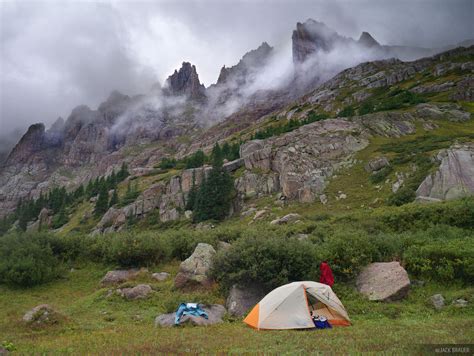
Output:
x,y
185,82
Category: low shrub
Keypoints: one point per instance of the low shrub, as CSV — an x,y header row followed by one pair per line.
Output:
x,y
27,260
268,261
403,196
380,175
442,260
129,249
348,251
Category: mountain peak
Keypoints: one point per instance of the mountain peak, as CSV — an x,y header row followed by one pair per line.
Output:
x,y
367,40
310,37
185,82
252,60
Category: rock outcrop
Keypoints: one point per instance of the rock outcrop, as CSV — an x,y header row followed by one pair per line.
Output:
x,y
383,281
454,177
186,82
195,270
215,313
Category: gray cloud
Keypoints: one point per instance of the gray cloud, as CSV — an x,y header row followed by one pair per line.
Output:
x,y
56,54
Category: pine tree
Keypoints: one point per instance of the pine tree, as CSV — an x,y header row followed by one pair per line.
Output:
x,y
102,202
61,218
123,172
114,199
215,193
192,195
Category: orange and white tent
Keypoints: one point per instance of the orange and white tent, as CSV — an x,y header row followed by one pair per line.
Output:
x,y
290,306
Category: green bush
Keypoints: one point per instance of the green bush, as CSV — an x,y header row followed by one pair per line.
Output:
x,y
442,260
267,259
403,196
129,249
348,251
380,175
27,260
347,111
458,213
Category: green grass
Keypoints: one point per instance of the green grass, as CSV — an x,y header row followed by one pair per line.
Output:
x,y
99,325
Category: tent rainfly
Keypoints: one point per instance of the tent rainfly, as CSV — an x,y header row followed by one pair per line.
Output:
x,y
290,306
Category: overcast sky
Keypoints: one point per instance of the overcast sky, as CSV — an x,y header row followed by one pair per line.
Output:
x,y
56,55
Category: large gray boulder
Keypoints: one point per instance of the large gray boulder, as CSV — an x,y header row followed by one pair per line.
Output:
x,y
383,281
41,315
215,313
195,270
241,299
454,178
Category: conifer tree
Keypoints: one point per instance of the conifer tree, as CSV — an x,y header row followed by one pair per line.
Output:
x,y
102,202
215,193
192,195
114,199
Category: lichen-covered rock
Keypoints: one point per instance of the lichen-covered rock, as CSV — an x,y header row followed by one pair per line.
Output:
x,y
454,177
195,270
42,315
215,314
383,281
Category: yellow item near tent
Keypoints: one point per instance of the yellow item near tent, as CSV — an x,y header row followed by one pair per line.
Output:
x,y
290,306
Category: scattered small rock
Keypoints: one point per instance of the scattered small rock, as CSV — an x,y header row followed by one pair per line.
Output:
x,y
438,301
120,276
259,214
160,276
248,212
286,219
188,214
460,303
224,246
41,315
376,164
323,198
139,292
